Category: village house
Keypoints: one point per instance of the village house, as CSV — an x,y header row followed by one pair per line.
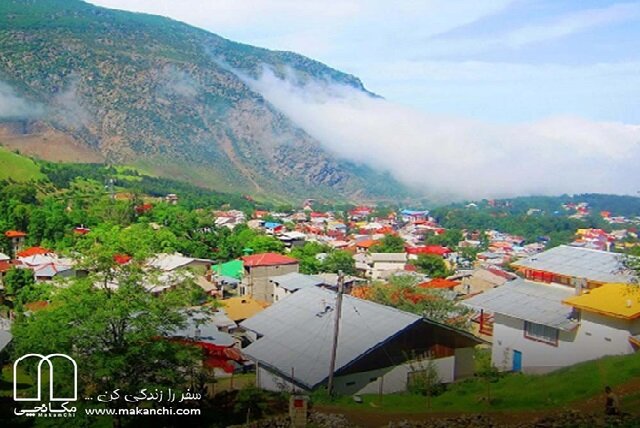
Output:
x,y
17,239
379,347
383,265
538,328
284,285
411,216
565,264
257,270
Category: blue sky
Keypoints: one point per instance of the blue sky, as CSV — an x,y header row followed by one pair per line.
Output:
x,y
498,61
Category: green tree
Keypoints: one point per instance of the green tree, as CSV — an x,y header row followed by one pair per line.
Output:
x,y
115,336
389,244
340,261
18,279
265,244
309,263
449,238
401,292
432,266
424,378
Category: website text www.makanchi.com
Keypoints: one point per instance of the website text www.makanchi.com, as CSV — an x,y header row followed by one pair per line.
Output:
x,y
162,411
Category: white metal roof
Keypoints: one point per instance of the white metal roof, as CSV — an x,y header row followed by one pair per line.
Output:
x,y
529,301
601,266
297,332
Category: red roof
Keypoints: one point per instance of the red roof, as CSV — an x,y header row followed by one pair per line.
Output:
x,y
122,259
318,215
410,268
14,234
439,283
33,251
501,273
82,230
267,259
429,249
5,266
141,209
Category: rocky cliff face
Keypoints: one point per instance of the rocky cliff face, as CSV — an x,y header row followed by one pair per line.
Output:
x,y
147,90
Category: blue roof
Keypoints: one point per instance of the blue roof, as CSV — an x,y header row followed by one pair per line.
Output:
x,y
271,225
412,212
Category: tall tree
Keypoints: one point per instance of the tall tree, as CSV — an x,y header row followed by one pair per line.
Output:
x,y
389,244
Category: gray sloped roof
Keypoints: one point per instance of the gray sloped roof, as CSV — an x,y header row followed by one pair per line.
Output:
x,y
530,301
5,339
297,333
595,265
203,327
295,281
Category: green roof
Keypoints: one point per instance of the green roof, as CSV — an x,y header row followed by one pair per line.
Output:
x,y
234,269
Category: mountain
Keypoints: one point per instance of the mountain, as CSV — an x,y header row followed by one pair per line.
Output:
x,y
84,83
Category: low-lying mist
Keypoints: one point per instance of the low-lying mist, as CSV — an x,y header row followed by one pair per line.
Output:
x,y
459,157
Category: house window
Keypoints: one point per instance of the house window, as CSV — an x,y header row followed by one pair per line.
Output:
x,y
541,333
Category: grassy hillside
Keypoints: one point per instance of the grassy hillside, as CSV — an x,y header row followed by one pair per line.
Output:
x,y
18,168
518,392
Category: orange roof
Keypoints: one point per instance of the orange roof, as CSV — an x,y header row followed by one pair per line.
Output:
x,y
14,234
33,251
439,283
267,259
36,306
368,243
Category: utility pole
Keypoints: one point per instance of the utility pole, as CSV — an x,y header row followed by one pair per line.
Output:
x,y
336,331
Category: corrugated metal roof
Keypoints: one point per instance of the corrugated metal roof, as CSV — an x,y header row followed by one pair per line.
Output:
x,y
297,332
530,301
594,265
201,327
295,281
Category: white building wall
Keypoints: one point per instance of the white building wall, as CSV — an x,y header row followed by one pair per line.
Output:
x,y
380,269
595,337
394,379
279,293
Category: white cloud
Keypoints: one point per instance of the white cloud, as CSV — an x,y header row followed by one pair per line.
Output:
x,y
573,23
552,29
461,157
13,106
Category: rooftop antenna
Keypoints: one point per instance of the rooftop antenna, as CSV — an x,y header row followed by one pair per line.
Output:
x,y
336,331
